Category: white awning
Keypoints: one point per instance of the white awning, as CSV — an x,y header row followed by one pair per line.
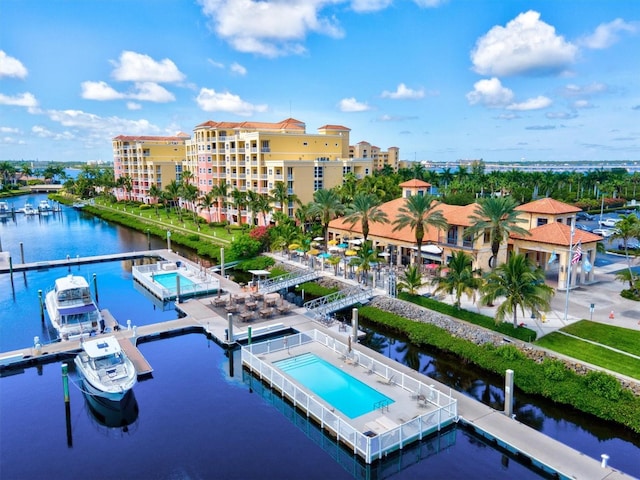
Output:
x,y
259,272
433,249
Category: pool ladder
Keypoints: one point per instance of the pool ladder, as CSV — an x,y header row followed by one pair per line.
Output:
x,y
381,404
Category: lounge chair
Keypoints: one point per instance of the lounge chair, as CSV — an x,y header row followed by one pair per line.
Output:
x,y
387,381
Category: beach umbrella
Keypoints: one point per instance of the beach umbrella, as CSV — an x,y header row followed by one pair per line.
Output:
x,y
333,242
294,246
342,245
334,249
325,255
319,239
314,251
350,253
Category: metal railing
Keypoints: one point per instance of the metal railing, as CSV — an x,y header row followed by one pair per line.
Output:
x,y
319,308
369,448
287,280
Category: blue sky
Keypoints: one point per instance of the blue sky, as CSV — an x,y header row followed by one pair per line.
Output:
x,y
440,79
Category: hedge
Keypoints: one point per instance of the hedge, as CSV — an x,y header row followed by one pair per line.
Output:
x,y
596,393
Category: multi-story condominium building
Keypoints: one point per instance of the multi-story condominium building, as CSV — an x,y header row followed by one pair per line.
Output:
x,y
148,160
253,156
380,158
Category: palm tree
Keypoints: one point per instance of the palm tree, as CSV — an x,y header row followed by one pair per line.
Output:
x,y
335,261
366,256
173,192
419,213
627,229
239,201
7,171
411,280
459,279
364,209
221,191
190,194
207,201
281,195
499,216
520,284
302,216
154,194
326,205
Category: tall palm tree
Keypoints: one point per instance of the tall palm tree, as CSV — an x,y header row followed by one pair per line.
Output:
x,y
366,256
411,280
173,192
459,279
154,195
239,202
520,285
365,208
221,191
419,213
499,216
207,201
326,206
627,229
189,193
281,195
302,215
7,172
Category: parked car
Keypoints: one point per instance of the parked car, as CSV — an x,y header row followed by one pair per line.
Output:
x,y
603,232
631,245
609,222
584,216
582,226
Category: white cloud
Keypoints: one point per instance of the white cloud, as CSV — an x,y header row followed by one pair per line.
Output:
x,y
151,92
136,67
9,130
352,105
490,93
22,100
363,6
404,93
42,132
238,69
211,101
536,103
133,106
101,127
99,91
280,30
11,67
606,34
572,90
215,64
525,46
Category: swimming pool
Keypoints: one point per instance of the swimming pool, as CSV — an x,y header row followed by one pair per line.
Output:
x,y
344,392
168,280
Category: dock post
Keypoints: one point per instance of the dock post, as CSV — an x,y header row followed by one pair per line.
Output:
x,y
22,252
508,393
148,239
41,305
230,328
605,460
11,269
249,335
177,288
222,262
354,325
95,287
65,382
168,240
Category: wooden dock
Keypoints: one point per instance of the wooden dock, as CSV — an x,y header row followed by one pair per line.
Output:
x,y
9,267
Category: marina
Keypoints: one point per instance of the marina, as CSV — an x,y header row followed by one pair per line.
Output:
x,y
201,316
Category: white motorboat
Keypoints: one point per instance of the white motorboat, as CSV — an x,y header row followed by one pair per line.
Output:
x,y
5,211
105,369
29,210
44,207
71,308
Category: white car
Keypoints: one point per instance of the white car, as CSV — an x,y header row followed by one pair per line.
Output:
x,y
609,222
603,232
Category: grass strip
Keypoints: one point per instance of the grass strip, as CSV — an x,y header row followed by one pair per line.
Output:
x,y
621,338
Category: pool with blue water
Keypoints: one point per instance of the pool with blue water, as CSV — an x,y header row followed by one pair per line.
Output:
x,y
339,389
168,280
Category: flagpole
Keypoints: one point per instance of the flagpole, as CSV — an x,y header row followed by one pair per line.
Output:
x,y
569,263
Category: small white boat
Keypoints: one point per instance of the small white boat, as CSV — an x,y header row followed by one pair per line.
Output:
x,y
29,210
71,308
105,369
5,211
44,207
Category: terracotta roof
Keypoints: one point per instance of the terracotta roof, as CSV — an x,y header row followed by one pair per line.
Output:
x,y
289,123
557,233
414,183
150,138
547,206
334,127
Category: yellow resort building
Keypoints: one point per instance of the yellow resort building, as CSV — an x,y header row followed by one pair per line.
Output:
x,y
380,158
248,156
550,243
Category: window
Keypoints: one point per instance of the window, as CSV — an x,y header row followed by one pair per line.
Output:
x,y
487,236
467,240
452,236
318,172
542,221
317,185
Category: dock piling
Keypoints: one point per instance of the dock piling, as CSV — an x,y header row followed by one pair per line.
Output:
x,y
41,305
230,327
65,382
22,251
95,287
508,393
354,325
605,460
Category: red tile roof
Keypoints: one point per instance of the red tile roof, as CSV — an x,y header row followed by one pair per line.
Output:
x,y
414,183
289,124
557,233
547,206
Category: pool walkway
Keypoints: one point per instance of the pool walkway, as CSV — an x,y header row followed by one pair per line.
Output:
x,y
533,446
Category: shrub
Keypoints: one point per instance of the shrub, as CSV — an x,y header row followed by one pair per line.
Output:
x,y
554,370
603,384
630,294
258,263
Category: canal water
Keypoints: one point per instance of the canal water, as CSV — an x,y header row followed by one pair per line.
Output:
x,y
200,415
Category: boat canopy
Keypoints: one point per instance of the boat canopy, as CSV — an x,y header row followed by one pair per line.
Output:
x,y
76,310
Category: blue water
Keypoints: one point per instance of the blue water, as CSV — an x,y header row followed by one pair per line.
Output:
x,y
337,388
168,280
194,419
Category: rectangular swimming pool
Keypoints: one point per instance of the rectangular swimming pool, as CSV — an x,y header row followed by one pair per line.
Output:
x,y
339,389
168,280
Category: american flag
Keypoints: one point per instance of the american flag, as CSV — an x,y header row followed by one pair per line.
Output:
x,y
577,254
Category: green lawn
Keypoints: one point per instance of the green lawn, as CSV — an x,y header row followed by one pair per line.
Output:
x,y
617,337
589,353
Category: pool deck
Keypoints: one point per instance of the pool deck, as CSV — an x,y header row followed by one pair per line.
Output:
x,y
494,425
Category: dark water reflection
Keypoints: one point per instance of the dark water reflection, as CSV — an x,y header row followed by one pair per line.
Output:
x,y
583,432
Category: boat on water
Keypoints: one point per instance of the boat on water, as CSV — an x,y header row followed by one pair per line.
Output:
x,y
105,369
5,210
44,207
29,210
120,415
71,308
